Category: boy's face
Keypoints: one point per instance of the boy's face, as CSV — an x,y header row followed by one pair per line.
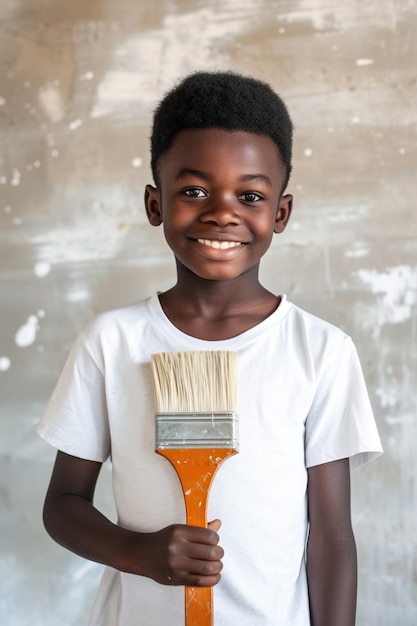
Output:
x,y
219,201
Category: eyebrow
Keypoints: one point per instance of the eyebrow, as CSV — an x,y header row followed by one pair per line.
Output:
x,y
261,177
187,171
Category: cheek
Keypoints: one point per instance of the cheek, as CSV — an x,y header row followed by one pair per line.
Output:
x,y
175,215
175,223
264,227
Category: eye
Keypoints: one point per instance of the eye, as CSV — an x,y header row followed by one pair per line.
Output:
x,y
194,192
251,196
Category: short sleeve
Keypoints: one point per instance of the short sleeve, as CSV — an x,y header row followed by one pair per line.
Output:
x,y
75,420
340,423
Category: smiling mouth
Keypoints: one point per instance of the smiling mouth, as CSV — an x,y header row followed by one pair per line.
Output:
x,y
219,245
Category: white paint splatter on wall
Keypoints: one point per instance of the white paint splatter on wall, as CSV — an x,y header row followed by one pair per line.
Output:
x,y
90,238
51,102
364,62
42,269
146,65
26,334
5,363
396,291
357,249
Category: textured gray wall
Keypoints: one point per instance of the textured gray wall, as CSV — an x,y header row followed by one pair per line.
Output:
x,y
78,82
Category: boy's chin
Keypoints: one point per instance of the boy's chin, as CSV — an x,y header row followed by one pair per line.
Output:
x,y
222,274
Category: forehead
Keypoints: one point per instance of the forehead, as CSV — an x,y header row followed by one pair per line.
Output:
x,y
216,150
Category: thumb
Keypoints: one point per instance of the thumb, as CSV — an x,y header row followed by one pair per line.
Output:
x,y
214,525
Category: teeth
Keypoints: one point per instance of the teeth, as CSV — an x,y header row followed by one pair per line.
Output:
x,y
219,245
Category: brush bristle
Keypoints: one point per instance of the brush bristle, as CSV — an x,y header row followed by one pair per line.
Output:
x,y
191,382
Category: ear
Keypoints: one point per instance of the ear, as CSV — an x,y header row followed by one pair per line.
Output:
x,y
283,213
153,205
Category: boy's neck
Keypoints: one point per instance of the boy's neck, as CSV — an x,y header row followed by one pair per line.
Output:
x,y
217,310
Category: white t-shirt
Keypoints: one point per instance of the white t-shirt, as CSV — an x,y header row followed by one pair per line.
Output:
x,y
302,401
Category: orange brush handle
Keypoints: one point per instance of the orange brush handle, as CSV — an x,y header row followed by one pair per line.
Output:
x,y
196,468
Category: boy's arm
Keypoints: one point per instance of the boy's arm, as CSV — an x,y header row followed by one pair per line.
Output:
x,y
331,549
176,555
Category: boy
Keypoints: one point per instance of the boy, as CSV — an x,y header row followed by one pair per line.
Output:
x,y
285,552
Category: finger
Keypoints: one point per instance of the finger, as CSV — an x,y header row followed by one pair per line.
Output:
x,y
197,564
201,535
206,552
201,573
214,525
194,572
196,580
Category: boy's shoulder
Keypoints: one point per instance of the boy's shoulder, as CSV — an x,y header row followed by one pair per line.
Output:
x,y
123,313
314,328
313,320
119,319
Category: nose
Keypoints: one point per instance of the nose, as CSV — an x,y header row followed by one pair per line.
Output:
x,y
222,210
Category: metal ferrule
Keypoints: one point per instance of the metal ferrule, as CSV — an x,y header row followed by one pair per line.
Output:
x,y
197,430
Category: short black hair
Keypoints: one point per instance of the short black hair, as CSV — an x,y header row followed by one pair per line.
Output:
x,y
225,100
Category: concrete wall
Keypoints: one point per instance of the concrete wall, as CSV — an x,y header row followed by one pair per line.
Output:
x,y
78,82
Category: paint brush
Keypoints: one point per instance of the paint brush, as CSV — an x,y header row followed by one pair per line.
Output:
x,y
196,430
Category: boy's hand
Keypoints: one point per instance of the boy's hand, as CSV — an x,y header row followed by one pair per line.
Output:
x,y
185,555
177,555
